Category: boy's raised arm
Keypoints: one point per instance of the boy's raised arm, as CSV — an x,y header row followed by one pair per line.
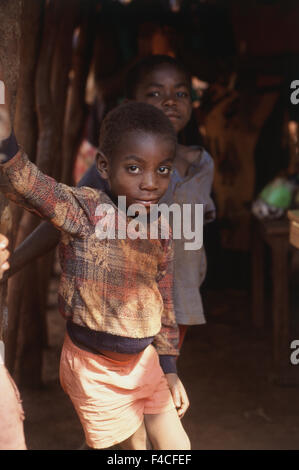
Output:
x,y
67,208
46,237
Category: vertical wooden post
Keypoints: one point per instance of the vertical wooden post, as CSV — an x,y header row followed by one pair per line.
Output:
x,y
280,307
26,132
76,108
10,30
257,277
26,344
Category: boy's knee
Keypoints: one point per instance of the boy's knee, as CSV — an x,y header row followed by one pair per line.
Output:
x,y
186,444
138,441
182,442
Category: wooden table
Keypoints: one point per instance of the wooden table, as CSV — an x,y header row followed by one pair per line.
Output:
x,y
274,233
293,217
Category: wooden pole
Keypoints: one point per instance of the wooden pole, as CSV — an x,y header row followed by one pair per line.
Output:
x,y
76,109
51,82
26,132
10,30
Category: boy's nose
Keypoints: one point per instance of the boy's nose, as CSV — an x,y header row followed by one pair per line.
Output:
x,y
170,100
149,182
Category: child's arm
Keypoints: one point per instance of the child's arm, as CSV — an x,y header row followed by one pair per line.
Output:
x,y
46,237
166,342
206,170
25,184
72,210
42,240
4,254
179,394
203,165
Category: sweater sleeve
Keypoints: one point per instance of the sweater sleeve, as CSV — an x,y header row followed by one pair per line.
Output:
x,y
166,341
8,148
58,203
203,168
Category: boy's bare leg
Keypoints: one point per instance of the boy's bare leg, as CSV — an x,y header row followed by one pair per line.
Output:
x,y
138,440
166,432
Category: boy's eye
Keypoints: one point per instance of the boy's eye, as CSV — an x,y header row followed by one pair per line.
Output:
x,y
164,170
182,94
154,93
133,169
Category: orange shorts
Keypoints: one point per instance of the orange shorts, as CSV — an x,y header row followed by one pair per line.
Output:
x,y
111,397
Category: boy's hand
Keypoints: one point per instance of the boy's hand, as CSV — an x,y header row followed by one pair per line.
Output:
x,y
4,254
178,393
5,127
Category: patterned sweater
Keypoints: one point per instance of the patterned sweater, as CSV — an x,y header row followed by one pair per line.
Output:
x,y
119,287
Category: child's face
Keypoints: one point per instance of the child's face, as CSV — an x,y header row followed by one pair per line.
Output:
x,y
140,167
166,87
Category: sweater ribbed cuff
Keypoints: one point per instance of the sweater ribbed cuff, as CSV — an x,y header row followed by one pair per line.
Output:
x,y
168,364
8,148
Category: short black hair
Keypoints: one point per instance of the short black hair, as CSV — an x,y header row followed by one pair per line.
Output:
x,y
133,116
146,65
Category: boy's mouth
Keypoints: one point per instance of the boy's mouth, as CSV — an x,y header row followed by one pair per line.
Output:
x,y
173,116
146,202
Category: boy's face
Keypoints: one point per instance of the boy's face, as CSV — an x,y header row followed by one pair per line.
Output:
x,y
140,167
166,87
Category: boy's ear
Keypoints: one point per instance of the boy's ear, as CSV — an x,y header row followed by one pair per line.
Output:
x,y
102,164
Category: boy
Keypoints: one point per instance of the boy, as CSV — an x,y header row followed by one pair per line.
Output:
x,y
114,293
163,82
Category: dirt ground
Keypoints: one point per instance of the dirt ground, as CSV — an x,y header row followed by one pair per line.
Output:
x,y
226,369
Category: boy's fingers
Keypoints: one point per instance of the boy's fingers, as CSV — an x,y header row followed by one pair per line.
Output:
x,y
184,407
3,241
184,403
4,255
176,397
4,276
179,395
4,266
5,127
